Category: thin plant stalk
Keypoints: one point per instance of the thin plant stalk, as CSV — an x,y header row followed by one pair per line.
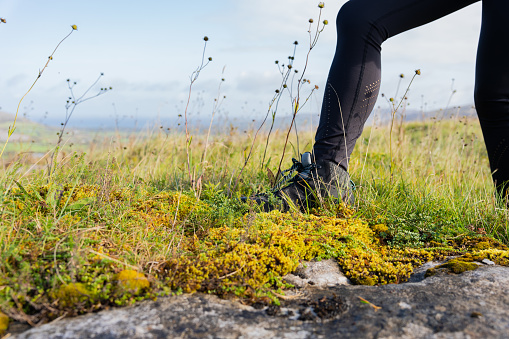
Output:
x,y
13,127
194,76
417,72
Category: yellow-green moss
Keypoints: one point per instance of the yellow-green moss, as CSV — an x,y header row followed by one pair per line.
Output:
x,y
275,244
191,247
499,257
459,266
4,323
483,245
131,281
379,228
430,272
73,293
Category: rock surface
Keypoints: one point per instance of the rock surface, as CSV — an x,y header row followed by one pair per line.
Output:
x,y
473,304
325,273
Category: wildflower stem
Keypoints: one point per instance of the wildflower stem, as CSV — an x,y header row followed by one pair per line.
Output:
x,y
394,110
11,129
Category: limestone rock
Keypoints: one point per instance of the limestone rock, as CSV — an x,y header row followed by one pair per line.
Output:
x,y
472,305
488,262
324,273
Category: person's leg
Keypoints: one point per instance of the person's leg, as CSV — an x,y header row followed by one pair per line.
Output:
x,y
354,78
492,88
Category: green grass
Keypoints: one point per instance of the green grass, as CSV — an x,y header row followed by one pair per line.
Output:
x,y
66,239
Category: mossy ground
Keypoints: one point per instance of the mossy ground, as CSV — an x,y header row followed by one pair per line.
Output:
x,y
109,229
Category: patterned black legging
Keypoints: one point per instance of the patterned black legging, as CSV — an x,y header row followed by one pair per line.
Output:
x,y
354,78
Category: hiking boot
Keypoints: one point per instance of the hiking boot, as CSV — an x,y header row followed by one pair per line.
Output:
x,y
313,184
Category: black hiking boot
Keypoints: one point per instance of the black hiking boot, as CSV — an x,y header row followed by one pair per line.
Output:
x,y
313,184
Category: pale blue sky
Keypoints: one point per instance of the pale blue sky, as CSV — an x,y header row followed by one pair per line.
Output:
x,y
147,51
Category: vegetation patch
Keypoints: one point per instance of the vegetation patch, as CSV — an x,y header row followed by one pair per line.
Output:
x,y
112,228
74,249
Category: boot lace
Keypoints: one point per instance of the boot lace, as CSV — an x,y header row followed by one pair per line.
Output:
x,y
303,169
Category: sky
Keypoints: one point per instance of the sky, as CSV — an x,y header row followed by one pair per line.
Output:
x,y
148,50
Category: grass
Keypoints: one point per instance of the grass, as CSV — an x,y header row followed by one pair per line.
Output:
x,y
122,223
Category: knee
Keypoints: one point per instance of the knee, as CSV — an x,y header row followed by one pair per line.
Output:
x,y
353,21
350,19
491,106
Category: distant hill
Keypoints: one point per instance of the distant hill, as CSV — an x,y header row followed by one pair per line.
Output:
x,y
26,129
7,117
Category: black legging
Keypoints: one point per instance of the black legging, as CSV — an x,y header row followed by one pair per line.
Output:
x,y
354,78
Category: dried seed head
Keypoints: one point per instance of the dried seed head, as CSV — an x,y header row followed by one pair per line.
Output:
x,y
401,75
418,71
74,27
321,5
326,22
277,91
310,21
295,42
3,20
206,38
210,58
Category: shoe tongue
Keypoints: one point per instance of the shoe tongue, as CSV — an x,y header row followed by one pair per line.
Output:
x,y
305,159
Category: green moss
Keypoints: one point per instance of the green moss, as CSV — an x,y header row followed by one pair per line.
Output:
x,y
500,257
131,282
71,294
4,323
458,266
483,245
430,272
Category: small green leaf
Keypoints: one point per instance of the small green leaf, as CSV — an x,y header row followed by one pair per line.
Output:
x,y
50,197
78,205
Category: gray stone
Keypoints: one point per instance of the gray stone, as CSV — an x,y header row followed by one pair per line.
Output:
x,y
472,305
488,262
324,273
419,273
